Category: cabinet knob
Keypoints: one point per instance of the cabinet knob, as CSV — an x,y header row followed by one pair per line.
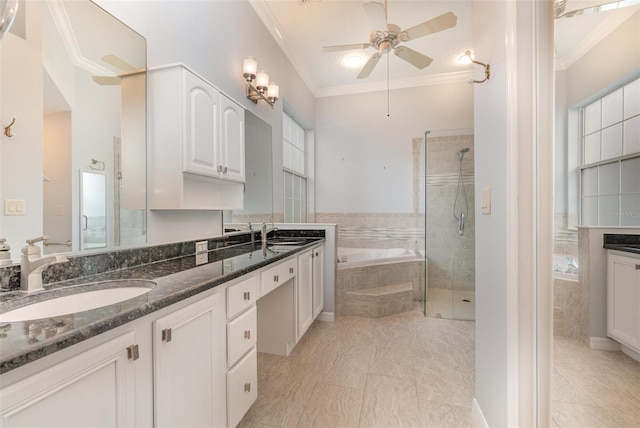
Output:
x,y
247,387
133,353
166,335
247,334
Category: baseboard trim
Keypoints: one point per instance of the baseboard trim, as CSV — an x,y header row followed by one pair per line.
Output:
x,y
603,344
477,418
326,316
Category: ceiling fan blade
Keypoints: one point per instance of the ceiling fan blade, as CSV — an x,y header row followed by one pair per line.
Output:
x,y
118,62
106,80
412,57
439,23
377,15
369,66
345,47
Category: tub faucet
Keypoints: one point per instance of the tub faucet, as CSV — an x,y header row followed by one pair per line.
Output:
x,y
32,265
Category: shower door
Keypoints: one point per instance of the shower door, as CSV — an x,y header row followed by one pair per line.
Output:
x,y
449,224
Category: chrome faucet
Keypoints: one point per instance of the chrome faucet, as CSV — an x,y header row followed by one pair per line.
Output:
x,y
263,237
32,265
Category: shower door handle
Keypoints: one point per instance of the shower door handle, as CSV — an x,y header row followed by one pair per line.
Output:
x,y
461,224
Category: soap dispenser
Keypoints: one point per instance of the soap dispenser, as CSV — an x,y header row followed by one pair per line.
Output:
x,y
5,253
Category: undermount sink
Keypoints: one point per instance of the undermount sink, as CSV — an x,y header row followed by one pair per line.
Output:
x,y
285,241
83,298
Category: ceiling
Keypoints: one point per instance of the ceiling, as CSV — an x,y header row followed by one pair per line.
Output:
x,y
303,27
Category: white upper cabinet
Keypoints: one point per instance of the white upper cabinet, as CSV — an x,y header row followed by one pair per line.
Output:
x,y
196,153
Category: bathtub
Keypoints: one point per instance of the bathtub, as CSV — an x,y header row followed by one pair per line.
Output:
x,y
367,268
565,267
358,257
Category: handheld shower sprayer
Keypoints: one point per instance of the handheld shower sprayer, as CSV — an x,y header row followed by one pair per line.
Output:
x,y
461,152
463,214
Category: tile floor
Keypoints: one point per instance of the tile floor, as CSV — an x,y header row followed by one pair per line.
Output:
x,y
401,371
410,371
594,388
451,304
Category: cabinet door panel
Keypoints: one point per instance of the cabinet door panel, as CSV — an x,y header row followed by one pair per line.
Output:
x,y
304,288
232,140
623,299
318,281
202,103
93,389
242,385
189,355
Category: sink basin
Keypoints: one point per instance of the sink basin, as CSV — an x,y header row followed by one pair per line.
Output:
x,y
84,298
285,241
283,248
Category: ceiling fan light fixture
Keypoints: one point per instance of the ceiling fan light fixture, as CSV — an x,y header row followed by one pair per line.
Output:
x,y
353,60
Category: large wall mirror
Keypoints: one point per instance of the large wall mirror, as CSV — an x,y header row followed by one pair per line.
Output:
x,y
258,194
74,79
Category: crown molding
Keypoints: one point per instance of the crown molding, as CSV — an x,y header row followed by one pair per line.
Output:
x,y
411,82
63,24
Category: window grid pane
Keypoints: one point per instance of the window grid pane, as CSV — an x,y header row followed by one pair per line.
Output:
x,y
610,190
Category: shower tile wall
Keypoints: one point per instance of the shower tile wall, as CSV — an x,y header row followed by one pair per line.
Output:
x,y
451,256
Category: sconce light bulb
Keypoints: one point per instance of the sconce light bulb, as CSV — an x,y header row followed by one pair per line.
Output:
x,y
466,58
249,68
262,80
274,91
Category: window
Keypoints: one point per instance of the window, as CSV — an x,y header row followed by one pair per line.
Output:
x,y
295,179
610,165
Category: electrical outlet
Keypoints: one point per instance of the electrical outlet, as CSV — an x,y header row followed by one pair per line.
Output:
x,y
202,258
201,247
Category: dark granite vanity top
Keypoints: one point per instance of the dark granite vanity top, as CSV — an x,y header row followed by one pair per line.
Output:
x,y
176,279
619,242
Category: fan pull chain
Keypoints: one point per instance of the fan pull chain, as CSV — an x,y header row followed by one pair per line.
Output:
x,y
388,86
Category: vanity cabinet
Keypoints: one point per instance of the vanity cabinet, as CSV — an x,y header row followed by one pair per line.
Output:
x,y
623,299
95,388
189,360
318,280
242,329
309,288
197,150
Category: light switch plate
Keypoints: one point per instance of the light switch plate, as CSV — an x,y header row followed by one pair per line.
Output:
x,y
14,207
201,247
485,201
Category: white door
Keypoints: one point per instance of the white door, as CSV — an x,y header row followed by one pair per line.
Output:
x,y
202,133
232,141
190,366
304,284
93,389
318,281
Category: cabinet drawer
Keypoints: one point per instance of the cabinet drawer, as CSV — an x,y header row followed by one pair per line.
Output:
x,y
242,388
241,295
241,335
277,275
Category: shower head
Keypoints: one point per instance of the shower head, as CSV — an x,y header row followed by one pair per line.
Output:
x,y
461,152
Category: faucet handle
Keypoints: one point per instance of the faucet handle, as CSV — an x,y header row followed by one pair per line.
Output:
x,y
34,240
31,249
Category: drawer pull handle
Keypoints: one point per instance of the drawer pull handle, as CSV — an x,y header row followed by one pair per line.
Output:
x,y
219,168
166,335
133,353
275,278
247,334
247,387
247,295
637,267
224,170
290,270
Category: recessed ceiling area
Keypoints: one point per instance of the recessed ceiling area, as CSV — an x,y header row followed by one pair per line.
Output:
x,y
303,27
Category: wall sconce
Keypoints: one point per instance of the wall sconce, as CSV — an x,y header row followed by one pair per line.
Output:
x,y
263,90
468,59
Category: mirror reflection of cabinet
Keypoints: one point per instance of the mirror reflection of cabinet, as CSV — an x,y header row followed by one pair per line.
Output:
x,y
70,75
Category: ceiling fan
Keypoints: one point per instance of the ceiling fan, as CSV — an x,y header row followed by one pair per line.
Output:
x,y
559,7
117,62
386,37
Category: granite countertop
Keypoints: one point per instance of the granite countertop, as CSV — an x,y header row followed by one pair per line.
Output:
x,y
176,279
622,242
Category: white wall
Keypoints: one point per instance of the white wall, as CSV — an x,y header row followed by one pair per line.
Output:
x,y
213,37
364,158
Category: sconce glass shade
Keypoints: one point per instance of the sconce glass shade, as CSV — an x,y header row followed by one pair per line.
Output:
x,y
8,11
274,91
249,67
262,80
466,58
